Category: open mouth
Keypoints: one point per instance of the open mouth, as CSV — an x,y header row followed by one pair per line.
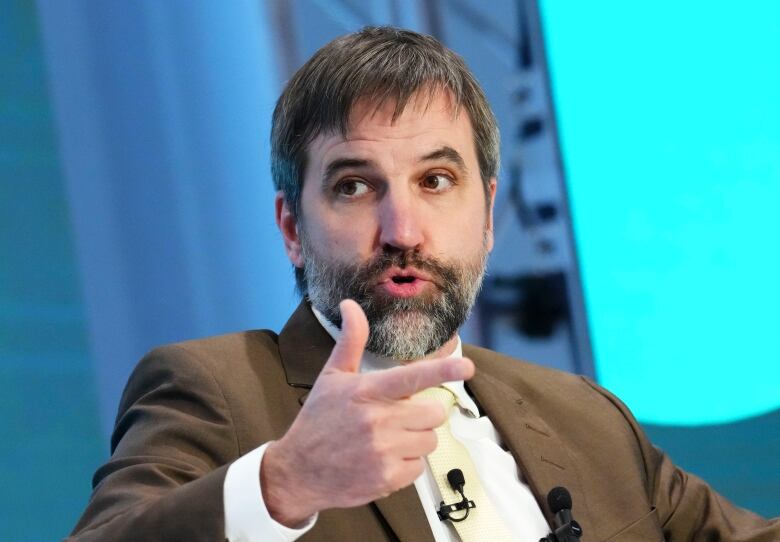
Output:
x,y
404,282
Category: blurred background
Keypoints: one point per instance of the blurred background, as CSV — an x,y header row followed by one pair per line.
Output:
x,y
636,220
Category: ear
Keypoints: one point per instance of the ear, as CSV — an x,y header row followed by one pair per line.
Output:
x,y
492,187
288,226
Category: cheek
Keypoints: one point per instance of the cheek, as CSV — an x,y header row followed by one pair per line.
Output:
x,y
467,224
471,238
342,238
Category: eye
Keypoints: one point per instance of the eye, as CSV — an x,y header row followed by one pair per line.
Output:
x,y
437,182
352,188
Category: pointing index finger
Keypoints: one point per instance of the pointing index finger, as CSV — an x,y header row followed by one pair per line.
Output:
x,y
405,381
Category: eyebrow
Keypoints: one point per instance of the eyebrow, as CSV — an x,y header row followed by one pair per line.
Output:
x,y
344,163
446,153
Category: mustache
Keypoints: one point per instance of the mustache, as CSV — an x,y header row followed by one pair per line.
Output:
x,y
368,273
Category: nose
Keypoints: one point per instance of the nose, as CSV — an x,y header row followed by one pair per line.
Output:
x,y
400,223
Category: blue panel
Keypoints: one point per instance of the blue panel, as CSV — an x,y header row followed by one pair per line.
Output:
x,y
163,112
668,115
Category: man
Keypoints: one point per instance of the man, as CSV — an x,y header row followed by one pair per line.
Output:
x,y
385,154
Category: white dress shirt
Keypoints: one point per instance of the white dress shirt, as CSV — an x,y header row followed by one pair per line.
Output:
x,y
248,520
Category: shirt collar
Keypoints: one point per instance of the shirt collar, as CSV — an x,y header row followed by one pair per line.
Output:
x,y
373,362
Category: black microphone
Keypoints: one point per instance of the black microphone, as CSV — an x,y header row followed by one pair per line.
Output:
x,y
559,501
565,529
456,479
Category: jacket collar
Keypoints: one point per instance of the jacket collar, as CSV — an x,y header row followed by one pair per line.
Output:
x,y
304,347
541,455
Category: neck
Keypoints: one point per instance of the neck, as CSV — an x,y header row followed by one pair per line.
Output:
x,y
443,351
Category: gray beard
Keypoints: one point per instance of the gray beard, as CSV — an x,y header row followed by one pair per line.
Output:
x,y
399,328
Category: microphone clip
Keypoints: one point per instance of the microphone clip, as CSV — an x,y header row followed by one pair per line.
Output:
x,y
445,510
568,532
457,481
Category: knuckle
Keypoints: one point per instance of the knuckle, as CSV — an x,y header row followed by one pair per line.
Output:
x,y
406,381
412,378
398,479
389,474
362,391
407,473
431,413
368,420
438,414
445,370
398,474
417,381
381,447
430,442
416,467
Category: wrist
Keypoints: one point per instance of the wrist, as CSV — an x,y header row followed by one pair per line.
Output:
x,y
282,489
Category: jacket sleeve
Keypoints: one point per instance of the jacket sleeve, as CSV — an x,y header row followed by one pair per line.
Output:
x,y
171,447
687,508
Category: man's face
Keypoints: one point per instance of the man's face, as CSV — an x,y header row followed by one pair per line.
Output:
x,y
395,217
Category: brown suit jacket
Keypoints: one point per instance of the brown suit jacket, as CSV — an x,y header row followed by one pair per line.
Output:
x,y
192,408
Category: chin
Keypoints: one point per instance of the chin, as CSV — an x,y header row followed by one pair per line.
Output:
x,y
406,335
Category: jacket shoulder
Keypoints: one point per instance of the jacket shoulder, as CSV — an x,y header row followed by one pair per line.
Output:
x,y
569,402
218,356
242,372
240,344
514,370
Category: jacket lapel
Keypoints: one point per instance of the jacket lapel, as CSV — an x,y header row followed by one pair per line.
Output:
x,y
404,513
542,457
305,346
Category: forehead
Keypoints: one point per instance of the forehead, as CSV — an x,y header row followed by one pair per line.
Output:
x,y
428,121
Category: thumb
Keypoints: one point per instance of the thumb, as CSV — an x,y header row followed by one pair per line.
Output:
x,y
354,334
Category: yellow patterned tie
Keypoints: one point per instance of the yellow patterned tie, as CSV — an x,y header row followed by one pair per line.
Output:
x,y
482,523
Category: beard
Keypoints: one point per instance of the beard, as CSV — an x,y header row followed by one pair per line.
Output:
x,y
401,328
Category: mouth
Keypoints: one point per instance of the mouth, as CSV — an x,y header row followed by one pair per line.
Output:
x,y
406,282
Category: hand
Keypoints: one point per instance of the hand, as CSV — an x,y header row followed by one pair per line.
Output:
x,y
358,437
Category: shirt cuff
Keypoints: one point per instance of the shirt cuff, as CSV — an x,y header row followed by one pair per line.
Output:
x,y
246,516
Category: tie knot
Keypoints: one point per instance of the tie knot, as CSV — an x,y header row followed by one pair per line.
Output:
x,y
440,394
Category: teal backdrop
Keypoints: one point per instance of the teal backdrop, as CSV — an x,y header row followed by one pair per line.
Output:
x,y
668,119
50,437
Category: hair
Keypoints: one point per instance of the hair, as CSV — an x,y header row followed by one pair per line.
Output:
x,y
379,64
